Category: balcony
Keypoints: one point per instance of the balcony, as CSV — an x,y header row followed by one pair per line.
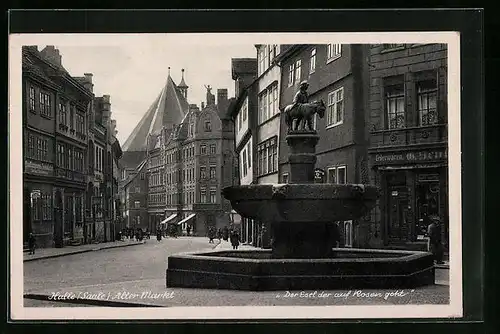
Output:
x,y
63,127
425,135
69,175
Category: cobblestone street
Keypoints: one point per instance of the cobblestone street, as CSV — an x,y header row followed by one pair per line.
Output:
x,y
137,275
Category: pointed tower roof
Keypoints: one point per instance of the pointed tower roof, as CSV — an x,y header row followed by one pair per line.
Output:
x,y
182,84
167,110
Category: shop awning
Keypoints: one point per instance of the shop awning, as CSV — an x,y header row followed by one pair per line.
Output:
x,y
166,220
191,216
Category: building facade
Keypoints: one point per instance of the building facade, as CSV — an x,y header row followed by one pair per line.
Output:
x,y
243,112
198,163
338,75
58,127
408,141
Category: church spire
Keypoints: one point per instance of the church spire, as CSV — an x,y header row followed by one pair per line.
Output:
x,y
182,86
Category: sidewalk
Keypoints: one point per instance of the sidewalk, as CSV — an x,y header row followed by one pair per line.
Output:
x,y
46,253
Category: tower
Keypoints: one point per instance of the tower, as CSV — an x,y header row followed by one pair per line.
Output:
x,y
182,86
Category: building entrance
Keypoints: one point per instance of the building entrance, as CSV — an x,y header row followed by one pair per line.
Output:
x,y
397,208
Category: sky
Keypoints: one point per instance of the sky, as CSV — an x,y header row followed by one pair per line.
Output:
x,y
133,75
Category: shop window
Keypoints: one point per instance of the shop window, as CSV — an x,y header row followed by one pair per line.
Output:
x,y
337,175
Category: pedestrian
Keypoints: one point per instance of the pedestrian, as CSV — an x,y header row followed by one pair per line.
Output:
x,y
434,235
211,235
235,239
158,234
188,230
31,243
219,234
225,233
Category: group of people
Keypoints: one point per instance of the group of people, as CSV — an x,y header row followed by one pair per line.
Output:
x,y
137,234
224,234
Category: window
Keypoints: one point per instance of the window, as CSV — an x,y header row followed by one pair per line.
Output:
x,y
71,116
46,202
298,64
312,62
291,71
249,156
32,103
337,175
427,102
284,177
348,233
334,51
137,204
208,126
45,104
212,148
203,195
244,165
70,158
335,111
60,156
395,106
203,149
80,124
213,170
341,175
142,176
244,110
138,219
137,189
213,195
331,175
267,157
62,113
268,103
203,172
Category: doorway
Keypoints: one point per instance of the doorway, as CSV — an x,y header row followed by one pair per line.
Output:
x,y
397,208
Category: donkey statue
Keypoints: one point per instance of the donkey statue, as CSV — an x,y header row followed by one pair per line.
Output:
x,y
303,114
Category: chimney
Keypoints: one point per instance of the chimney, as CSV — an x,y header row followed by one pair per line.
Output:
x,y
244,72
202,105
222,101
52,55
106,109
88,82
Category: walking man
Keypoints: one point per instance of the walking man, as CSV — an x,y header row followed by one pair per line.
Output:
x,y
434,234
31,243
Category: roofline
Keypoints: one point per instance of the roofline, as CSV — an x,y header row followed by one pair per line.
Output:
x,y
288,53
143,162
65,75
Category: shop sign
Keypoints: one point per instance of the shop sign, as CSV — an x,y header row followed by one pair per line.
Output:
x,y
319,175
411,156
38,168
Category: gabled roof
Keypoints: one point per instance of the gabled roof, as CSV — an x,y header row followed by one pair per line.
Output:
x,y
137,172
167,110
130,159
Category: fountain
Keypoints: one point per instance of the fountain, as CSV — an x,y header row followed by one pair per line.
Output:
x,y
302,257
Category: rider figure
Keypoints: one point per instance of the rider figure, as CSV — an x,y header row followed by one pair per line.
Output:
x,y
301,96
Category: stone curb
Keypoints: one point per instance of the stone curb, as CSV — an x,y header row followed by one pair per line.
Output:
x,y
81,251
93,302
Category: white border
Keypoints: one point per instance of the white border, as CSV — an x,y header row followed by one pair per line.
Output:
x,y
454,309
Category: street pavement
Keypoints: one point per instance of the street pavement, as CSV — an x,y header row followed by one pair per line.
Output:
x,y
137,275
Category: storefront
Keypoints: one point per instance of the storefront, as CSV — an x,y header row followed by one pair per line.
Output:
x,y
414,185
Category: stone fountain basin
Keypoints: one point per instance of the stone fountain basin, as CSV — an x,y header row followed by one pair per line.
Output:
x,y
302,202
256,270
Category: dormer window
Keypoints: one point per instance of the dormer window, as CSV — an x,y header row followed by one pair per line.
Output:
x,y
208,126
